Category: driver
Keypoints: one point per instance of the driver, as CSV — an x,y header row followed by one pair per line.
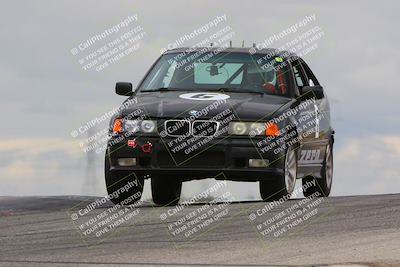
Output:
x,y
258,78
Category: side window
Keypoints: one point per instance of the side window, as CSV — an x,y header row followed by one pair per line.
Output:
x,y
168,76
312,80
301,79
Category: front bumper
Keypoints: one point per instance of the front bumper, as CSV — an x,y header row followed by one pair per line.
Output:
x,y
220,159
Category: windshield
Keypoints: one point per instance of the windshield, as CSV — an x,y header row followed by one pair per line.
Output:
x,y
223,71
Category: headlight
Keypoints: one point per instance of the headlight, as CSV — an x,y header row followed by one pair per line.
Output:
x,y
134,126
239,128
247,128
131,126
256,129
148,126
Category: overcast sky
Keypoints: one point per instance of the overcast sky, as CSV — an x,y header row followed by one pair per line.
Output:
x,y
46,94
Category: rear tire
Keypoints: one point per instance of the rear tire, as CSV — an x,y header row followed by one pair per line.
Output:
x,y
322,186
165,191
282,186
116,180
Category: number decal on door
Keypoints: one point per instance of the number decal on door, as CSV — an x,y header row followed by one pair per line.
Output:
x,y
310,156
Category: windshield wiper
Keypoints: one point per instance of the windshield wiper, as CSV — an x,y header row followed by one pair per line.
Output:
x,y
238,90
161,89
227,89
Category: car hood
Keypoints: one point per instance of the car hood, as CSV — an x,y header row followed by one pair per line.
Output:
x,y
247,106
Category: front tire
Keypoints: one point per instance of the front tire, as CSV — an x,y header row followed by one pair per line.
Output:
x,y
165,191
322,187
281,186
124,186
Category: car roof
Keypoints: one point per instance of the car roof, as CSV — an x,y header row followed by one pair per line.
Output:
x,y
287,55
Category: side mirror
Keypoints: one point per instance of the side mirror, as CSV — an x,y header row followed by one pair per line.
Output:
x,y
123,88
313,91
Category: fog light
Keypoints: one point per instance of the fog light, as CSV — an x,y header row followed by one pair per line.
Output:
x,y
127,161
258,163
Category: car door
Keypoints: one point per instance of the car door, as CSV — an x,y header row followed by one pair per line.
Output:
x,y
311,126
325,129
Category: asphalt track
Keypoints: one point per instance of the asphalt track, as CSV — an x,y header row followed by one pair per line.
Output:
x,y
348,231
